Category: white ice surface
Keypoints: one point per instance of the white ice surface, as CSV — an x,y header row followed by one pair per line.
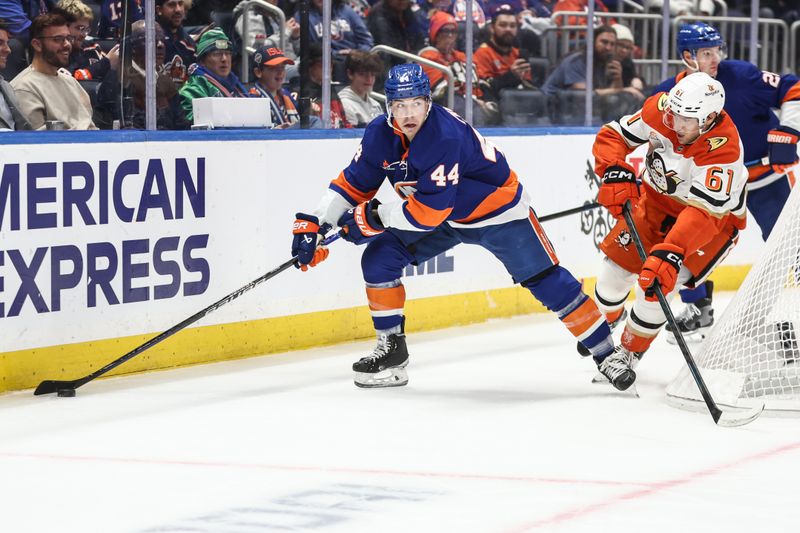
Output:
x,y
499,430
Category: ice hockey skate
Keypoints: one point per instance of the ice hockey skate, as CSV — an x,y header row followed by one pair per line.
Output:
x,y
386,366
696,319
617,369
584,351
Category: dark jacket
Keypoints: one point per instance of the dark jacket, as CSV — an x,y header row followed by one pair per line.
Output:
x,y
406,32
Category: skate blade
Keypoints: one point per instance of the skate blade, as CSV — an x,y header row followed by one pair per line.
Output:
x,y
601,379
391,377
693,337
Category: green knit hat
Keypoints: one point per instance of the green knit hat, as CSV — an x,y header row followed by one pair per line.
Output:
x,y
213,39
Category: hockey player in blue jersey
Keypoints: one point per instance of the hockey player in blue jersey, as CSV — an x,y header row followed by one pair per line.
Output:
x,y
770,144
454,187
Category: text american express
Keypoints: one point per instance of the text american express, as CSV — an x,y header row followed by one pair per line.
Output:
x,y
112,205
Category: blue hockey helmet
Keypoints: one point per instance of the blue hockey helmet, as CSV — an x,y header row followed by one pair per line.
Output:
x,y
407,80
698,35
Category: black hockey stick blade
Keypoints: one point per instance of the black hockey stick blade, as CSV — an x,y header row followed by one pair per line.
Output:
x,y
51,386
567,212
727,419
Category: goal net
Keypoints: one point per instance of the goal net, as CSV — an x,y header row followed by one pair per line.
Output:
x,y
752,353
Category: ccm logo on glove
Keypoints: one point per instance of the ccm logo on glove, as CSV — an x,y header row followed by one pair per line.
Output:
x,y
663,264
617,174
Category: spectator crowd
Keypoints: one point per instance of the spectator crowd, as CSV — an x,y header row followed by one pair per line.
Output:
x,y
73,64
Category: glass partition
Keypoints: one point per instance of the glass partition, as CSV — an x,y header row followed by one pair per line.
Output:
x,y
142,63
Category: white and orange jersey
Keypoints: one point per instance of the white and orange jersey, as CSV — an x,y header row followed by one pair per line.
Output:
x,y
708,174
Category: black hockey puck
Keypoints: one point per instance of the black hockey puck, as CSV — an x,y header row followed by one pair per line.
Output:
x,y
66,393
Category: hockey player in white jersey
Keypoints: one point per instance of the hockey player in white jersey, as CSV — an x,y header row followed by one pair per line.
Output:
x,y
689,207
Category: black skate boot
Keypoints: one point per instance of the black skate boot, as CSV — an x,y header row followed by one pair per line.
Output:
x,y
385,367
696,319
617,368
584,351
634,357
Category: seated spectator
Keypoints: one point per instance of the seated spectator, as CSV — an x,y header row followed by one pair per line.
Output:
x,y
10,116
571,71
359,107
580,5
46,90
269,71
179,53
348,31
786,10
18,14
624,54
113,16
498,62
606,78
338,116
533,19
264,28
443,35
86,61
211,76
169,113
395,23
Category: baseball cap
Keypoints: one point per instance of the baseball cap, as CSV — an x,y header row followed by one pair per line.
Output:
x,y
503,9
438,21
213,39
270,56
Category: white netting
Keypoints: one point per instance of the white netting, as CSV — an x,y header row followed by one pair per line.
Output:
x,y
752,353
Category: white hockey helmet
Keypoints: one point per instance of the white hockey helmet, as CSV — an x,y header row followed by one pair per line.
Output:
x,y
698,95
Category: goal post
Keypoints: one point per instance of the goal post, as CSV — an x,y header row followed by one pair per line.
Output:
x,y
752,353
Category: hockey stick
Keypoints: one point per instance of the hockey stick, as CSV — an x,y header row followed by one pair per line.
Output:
x,y
579,209
67,388
722,418
756,162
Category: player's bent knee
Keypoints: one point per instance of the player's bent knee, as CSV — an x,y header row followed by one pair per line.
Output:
x,y
555,287
384,259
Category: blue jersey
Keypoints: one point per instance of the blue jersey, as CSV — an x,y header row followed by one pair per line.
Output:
x,y
750,96
112,16
448,173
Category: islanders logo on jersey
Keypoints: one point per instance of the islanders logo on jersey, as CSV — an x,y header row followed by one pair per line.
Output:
x,y
397,174
664,180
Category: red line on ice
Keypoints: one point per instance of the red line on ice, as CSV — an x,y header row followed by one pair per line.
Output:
x,y
358,471
649,489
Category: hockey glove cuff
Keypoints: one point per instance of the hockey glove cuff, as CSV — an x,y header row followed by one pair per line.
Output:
x,y
619,185
662,265
361,223
307,234
782,148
